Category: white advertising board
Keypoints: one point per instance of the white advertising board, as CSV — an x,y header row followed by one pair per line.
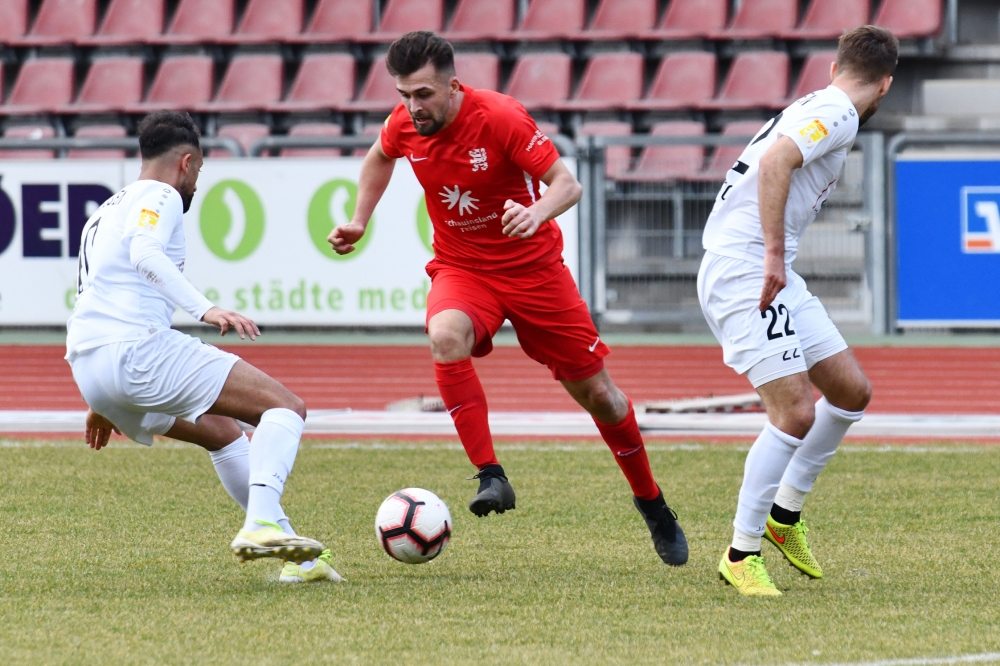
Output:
x,y
255,240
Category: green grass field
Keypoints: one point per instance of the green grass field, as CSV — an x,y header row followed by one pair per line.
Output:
x,y
122,557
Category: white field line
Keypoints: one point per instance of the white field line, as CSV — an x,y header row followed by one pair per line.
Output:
x,y
984,658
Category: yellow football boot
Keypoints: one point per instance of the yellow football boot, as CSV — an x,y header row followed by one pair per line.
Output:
x,y
321,571
748,576
271,541
791,541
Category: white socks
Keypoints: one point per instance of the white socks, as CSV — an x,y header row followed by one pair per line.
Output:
x,y
788,497
232,464
762,473
818,446
272,455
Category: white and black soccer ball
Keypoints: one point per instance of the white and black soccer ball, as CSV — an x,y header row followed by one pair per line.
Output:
x,y
413,525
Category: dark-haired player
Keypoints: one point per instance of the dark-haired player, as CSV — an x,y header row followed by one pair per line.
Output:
x,y
141,378
498,255
770,327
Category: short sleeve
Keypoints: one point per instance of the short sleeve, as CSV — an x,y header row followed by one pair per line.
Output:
x,y
389,136
156,212
527,146
821,130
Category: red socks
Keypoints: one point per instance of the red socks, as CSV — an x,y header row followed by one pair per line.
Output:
x,y
625,442
466,402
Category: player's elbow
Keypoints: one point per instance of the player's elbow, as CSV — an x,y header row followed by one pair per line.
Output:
x,y
575,191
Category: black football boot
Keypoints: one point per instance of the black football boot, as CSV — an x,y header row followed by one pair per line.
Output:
x,y
495,492
668,537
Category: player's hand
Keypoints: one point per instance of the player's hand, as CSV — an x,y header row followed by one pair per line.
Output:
x,y
774,279
343,238
225,320
518,221
98,430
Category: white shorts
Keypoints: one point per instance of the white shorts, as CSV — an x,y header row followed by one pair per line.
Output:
x,y
142,386
729,292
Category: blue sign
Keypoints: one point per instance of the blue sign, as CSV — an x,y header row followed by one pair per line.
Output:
x,y
948,242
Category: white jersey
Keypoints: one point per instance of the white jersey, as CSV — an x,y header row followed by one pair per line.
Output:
x,y
115,303
823,125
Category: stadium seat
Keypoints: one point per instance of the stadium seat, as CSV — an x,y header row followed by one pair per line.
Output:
x,y
552,19
313,129
689,19
129,21
269,21
60,22
828,20
28,132
200,21
610,81
617,159
372,130
757,79
112,84
910,18
338,20
815,74
99,132
324,81
725,156
43,85
540,80
402,16
682,81
246,134
481,19
379,92
478,70
182,82
756,19
548,129
622,19
13,21
664,163
251,82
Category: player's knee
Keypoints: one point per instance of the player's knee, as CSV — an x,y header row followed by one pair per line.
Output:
x,y
859,397
796,419
606,403
448,344
297,405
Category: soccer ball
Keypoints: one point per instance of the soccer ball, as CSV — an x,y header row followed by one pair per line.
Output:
x,y
413,525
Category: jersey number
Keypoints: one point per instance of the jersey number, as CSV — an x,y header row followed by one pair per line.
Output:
x,y
767,130
782,310
83,267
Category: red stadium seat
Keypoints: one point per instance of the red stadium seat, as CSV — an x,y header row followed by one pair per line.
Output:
x,y
201,21
757,79
269,21
910,18
756,19
725,156
548,129
99,132
251,82
481,19
610,81
62,21
338,20
112,84
313,129
617,159
324,81
13,20
129,21
402,16
372,130
828,20
682,162
182,82
682,81
246,134
43,85
478,70
541,80
622,19
688,19
815,74
379,92
552,19
28,132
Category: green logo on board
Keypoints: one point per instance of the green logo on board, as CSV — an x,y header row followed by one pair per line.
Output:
x,y
424,227
332,206
232,220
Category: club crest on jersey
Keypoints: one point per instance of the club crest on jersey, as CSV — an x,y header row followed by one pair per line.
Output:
x,y
464,200
814,132
478,160
148,218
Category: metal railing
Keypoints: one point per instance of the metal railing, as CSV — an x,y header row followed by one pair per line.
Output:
x,y
563,144
64,144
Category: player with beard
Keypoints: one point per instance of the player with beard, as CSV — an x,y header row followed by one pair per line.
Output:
x,y
770,327
498,255
141,378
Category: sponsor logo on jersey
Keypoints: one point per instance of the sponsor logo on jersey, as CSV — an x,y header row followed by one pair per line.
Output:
x,y
148,219
464,200
814,132
981,220
478,159
538,139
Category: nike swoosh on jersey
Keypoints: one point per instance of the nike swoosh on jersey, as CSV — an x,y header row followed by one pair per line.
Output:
x,y
416,159
594,346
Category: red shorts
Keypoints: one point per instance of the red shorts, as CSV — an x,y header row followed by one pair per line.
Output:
x,y
552,322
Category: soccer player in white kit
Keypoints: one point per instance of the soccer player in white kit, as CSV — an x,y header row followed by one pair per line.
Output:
x,y
770,327
140,378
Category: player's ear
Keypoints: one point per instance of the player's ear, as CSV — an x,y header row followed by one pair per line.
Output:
x,y
833,70
886,84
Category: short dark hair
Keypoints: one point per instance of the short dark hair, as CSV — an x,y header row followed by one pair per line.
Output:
x,y
415,49
164,130
868,52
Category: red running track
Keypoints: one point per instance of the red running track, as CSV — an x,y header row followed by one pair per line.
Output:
x,y
936,380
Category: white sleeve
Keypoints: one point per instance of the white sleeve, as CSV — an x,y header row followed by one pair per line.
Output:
x,y
147,256
156,212
820,130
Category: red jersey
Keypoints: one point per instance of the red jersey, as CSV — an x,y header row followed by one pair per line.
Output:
x,y
491,152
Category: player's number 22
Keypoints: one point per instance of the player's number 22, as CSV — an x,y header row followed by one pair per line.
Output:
x,y
774,315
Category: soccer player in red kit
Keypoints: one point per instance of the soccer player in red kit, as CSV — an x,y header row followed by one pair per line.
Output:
x,y
498,255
